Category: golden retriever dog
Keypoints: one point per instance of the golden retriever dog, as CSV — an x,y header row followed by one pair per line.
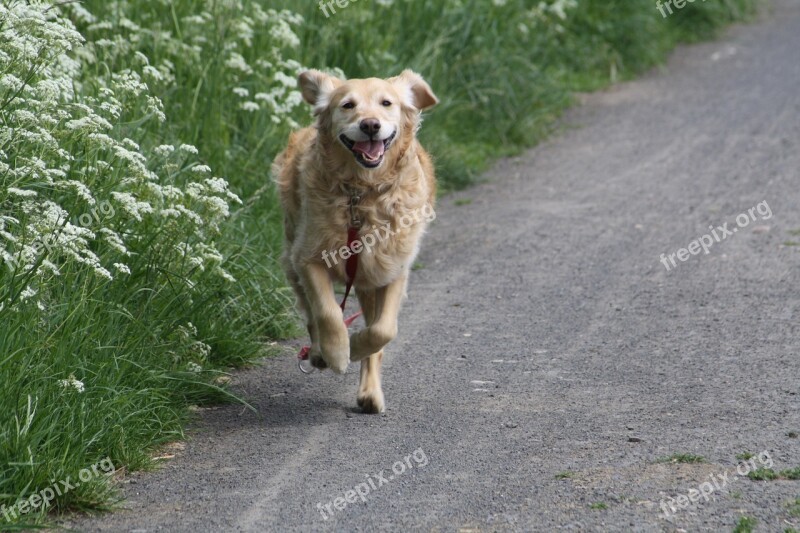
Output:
x,y
360,166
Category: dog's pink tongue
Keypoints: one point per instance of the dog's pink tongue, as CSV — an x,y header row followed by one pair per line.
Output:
x,y
372,149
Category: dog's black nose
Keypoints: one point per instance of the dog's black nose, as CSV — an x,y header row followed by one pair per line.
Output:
x,y
370,126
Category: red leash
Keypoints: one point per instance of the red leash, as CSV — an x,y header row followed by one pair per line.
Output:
x,y
350,269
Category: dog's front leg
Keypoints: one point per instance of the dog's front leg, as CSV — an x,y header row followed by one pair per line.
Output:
x,y
334,344
384,327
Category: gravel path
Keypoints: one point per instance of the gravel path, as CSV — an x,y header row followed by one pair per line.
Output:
x,y
547,359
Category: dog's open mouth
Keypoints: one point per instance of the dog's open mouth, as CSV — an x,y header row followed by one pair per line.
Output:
x,y
368,153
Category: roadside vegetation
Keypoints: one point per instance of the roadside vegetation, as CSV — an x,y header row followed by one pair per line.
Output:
x,y
139,230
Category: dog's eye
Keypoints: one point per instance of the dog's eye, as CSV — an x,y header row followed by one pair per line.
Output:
x,y
348,105
386,103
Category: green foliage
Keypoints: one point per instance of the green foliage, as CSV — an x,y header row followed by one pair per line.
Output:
x,y
794,507
745,525
792,473
763,474
768,474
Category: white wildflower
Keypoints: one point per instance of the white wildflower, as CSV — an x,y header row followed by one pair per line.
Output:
x,y
201,169
114,240
47,265
283,34
92,123
284,79
188,148
72,382
237,62
217,185
130,144
83,192
153,73
224,274
164,150
27,294
24,193
131,205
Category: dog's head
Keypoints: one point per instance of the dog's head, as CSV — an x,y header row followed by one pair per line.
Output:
x,y
368,117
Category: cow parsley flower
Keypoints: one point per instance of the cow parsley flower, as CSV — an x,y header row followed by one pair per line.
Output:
x,y
131,205
23,193
72,383
164,150
189,149
237,62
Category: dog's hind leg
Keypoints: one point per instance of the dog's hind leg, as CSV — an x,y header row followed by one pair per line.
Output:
x,y
370,394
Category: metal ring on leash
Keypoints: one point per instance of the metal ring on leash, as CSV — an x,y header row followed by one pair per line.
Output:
x,y
302,368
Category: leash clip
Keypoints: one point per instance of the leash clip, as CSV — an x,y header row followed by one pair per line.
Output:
x,y
303,356
355,198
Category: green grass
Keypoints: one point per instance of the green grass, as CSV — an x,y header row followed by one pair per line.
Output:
x,y
763,474
794,507
793,233
745,456
686,458
148,346
565,475
768,474
599,506
745,525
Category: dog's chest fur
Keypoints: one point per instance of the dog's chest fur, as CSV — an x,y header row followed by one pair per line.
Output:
x,y
391,224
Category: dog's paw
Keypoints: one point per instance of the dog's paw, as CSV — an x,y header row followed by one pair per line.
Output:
x,y
334,346
336,359
317,361
371,402
340,367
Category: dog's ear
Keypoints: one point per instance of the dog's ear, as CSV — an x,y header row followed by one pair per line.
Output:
x,y
414,90
317,87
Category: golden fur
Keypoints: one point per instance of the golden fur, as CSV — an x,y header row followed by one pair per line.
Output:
x,y
317,174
